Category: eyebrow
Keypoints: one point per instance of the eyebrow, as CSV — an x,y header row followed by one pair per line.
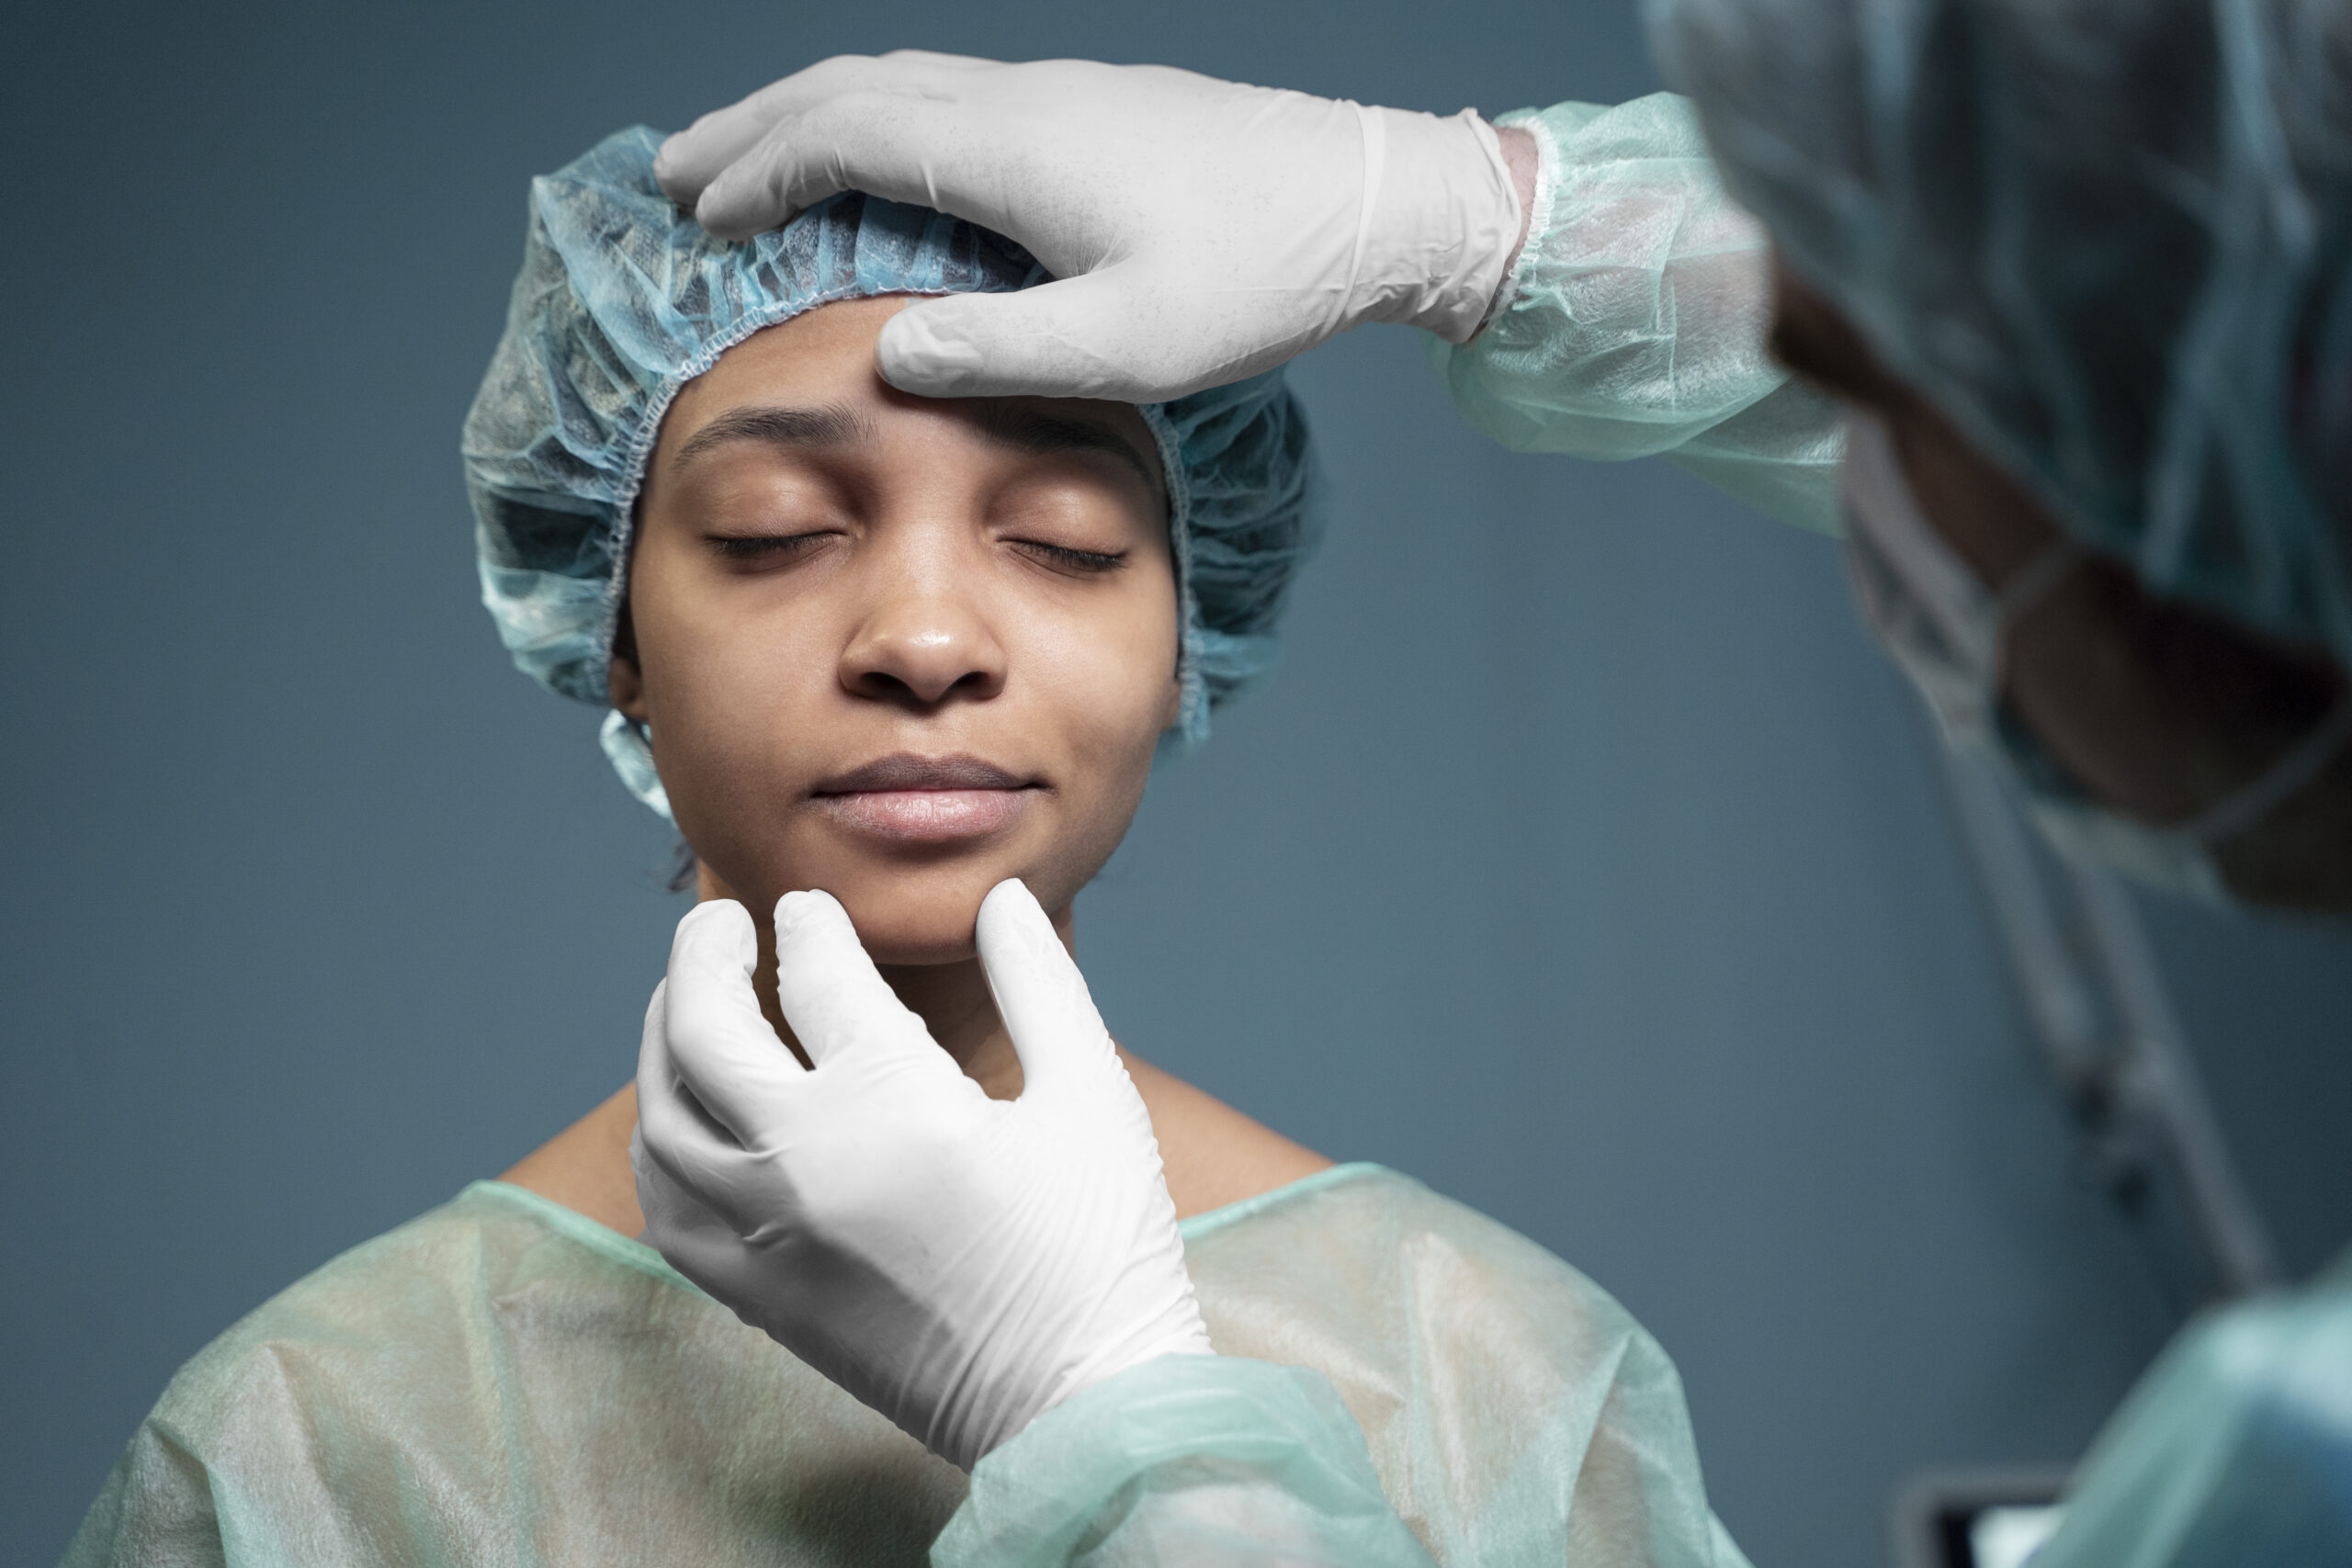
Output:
x,y
830,424
1028,430
999,424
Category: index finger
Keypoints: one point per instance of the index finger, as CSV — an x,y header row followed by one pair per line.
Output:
x,y
719,1043
694,157
830,992
682,1160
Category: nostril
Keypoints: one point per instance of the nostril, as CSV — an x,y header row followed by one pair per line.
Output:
x,y
922,662
884,686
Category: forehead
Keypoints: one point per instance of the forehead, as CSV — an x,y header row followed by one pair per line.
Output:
x,y
826,351
824,357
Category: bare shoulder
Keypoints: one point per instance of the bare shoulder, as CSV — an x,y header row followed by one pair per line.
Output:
x,y
1214,1154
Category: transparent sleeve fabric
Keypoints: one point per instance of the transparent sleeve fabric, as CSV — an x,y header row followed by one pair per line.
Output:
x,y
1431,1389
1634,322
1243,1463
1183,1460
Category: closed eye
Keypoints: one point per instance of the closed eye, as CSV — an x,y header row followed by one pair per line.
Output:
x,y
765,547
1067,560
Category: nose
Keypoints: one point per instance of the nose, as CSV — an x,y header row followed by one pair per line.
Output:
x,y
922,649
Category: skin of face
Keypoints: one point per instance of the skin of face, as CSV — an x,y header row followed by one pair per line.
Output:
x,y
2157,708
829,574
986,580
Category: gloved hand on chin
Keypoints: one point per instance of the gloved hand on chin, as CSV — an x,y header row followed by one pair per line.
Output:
x,y
960,1264
1199,231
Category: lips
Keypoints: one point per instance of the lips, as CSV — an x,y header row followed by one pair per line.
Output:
x,y
907,799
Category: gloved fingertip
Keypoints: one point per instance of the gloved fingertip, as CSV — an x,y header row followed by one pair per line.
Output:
x,y
710,208
1011,900
666,175
722,928
730,207
808,909
914,356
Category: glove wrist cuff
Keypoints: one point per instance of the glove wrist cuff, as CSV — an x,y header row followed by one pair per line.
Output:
x,y
1440,219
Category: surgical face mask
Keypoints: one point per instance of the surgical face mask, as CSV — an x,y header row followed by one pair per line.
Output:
x,y
1945,628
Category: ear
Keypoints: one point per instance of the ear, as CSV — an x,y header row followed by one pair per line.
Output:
x,y
1173,709
624,682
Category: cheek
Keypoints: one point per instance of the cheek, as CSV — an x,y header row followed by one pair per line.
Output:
x,y
1109,672
1104,681
723,679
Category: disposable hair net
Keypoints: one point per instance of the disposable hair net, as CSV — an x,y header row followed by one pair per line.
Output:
x,y
2110,239
623,300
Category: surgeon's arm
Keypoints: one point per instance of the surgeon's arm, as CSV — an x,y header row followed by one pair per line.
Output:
x,y
2236,1449
1634,321
1182,1461
1243,1463
1201,231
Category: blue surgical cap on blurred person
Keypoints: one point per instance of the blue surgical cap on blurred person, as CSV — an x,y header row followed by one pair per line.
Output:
x,y
623,300
2110,239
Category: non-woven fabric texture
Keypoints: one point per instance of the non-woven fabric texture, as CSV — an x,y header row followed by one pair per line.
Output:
x,y
623,300
2113,241
504,1380
1633,321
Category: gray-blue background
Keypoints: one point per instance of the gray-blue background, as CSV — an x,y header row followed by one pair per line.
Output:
x,y
1584,861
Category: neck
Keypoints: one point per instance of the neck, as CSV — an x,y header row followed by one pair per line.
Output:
x,y
951,999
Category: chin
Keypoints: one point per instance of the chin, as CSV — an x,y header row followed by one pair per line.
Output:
x,y
919,918
910,911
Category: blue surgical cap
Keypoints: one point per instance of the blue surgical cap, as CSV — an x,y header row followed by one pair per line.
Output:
x,y
2110,239
623,300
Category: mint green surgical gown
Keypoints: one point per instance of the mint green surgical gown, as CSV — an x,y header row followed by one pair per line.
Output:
x,y
503,1381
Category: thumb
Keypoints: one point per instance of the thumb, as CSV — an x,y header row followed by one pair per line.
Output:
x,y
1095,335
1039,993
832,994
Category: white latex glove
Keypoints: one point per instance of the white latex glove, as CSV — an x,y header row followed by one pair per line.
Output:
x,y
1199,231
958,1263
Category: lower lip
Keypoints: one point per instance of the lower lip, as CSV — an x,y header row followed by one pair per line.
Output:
x,y
926,816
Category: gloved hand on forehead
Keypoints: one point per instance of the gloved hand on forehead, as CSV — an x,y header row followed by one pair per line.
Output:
x,y
960,1264
1199,231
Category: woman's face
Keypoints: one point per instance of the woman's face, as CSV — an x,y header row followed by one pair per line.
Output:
x,y
895,647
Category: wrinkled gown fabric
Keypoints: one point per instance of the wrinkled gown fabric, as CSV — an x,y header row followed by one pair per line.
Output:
x,y
502,1380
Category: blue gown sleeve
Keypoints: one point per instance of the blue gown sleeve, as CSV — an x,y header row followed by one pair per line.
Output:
x,y
1634,319
2236,1451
